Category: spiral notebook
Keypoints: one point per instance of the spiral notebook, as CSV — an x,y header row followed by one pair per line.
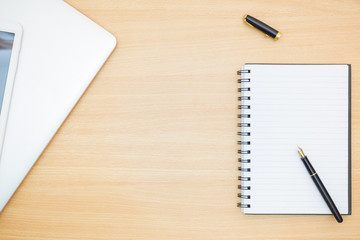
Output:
x,y
285,105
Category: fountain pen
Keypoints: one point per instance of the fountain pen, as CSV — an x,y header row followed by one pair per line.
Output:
x,y
320,186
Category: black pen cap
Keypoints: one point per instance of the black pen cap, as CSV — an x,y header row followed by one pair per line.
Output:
x,y
255,23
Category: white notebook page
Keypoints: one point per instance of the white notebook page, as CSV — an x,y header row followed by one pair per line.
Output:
x,y
290,105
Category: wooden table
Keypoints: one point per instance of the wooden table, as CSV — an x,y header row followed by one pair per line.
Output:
x,y
150,150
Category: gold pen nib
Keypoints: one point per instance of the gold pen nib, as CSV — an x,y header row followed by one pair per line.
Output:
x,y
300,151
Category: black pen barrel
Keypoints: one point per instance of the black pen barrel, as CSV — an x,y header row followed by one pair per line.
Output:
x,y
320,186
324,193
308,166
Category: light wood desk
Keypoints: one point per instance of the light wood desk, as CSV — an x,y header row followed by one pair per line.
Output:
x,y
150,150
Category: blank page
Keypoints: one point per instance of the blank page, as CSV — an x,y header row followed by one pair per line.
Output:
x,y
290,105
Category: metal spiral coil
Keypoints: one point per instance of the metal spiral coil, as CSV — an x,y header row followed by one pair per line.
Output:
x,y
243,205
244,196
244,133
244,178
244,160
241,169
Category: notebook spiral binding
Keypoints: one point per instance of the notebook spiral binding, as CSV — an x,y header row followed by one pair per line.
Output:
x,y
243,133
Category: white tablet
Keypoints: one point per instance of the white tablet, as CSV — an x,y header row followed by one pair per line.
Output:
x,y
10,43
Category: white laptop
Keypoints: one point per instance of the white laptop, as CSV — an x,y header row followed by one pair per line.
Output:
x,y
61,52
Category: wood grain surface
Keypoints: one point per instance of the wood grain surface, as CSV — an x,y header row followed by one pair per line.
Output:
x,y
150,150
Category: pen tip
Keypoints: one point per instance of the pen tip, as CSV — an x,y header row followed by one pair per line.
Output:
x,y
300,151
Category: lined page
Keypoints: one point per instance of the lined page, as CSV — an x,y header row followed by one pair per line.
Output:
x,y
290,105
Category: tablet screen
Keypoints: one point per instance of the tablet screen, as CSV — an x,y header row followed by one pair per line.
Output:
x,y
6,43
